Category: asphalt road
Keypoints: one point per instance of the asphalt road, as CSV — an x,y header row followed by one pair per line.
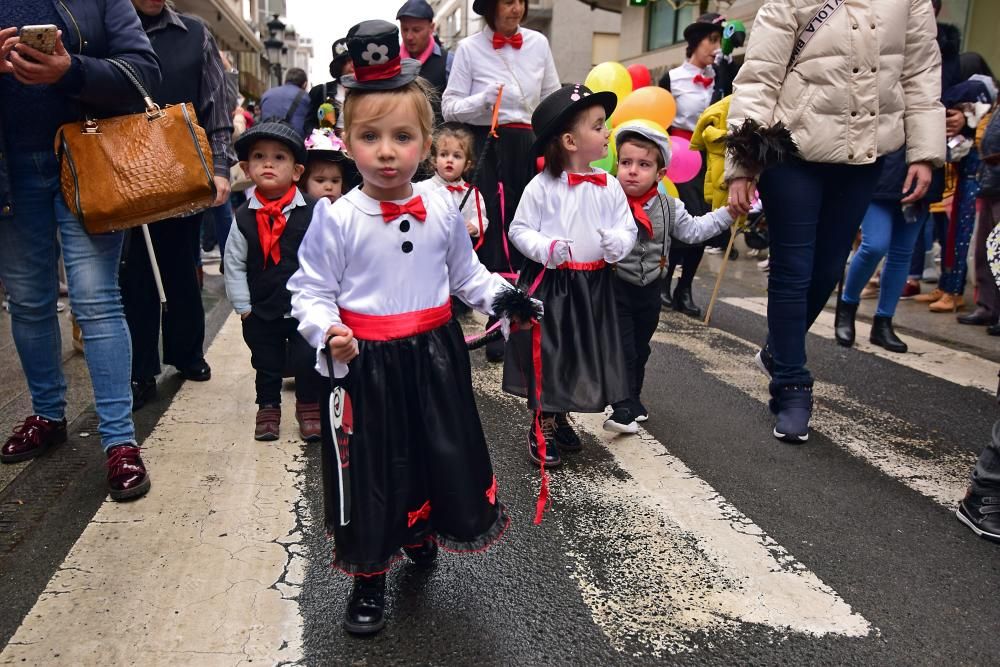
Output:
x,y
704,541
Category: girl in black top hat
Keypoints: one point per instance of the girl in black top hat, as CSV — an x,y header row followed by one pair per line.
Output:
x,y
405,463
573,222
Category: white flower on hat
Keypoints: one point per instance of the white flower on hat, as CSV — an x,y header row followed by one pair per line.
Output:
x,y
375,54
340,48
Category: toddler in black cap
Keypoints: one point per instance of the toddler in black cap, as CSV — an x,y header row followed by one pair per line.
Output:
x,y
261,254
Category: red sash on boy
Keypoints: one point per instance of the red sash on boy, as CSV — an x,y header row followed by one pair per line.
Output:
x,y
638,206
271,222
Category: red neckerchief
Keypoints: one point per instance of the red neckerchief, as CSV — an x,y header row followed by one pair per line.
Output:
x,y
423,56
499,41
703,80
271,222
600,179
414,207
638,206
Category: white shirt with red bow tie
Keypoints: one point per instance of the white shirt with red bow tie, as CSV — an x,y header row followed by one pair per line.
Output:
x,y
353,258
692,90
475,206
551,209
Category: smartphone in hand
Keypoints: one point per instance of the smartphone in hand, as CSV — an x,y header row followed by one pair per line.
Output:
x,y
40,37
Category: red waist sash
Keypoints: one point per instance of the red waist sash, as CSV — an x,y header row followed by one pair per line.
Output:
x,y
394,327
516,126
583,266
683,134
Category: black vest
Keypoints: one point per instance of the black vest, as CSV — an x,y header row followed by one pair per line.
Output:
x,y
181,62
435,70
269,296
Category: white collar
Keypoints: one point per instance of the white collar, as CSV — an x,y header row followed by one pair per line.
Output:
x,y
297,200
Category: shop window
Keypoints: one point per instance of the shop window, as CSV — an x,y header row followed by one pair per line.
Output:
x,y
666,24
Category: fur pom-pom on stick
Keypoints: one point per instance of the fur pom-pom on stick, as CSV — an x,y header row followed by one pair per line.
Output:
x,y
510,305
755,147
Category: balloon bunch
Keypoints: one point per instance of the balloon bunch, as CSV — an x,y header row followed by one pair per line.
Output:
x,y
640,101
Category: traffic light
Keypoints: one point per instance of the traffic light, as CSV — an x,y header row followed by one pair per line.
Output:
x,y
638,3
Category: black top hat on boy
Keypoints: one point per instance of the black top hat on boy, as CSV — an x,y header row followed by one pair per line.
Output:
x,y
556,110
275,130
375,52
705,25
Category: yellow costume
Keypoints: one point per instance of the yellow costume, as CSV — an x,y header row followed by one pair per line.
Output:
x,y
709,137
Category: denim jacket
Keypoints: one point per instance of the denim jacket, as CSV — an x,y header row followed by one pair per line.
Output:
x,y
94,30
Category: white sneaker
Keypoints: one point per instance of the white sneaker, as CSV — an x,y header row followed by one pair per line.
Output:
x,y
764,264
712,250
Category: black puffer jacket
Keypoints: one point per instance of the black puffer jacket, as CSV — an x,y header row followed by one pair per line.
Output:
x,y
94,30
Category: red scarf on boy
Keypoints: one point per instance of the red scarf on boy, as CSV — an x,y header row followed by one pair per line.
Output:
x,y
271,222
638,204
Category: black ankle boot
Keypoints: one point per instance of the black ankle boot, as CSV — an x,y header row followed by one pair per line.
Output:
x,y
366,608
843,323
884,336
423,555
684,302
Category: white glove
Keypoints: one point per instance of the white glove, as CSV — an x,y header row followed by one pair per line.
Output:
x,y
490,95
612,245
560,253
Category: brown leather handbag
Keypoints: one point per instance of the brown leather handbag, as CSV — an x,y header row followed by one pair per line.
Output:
x,y
126,171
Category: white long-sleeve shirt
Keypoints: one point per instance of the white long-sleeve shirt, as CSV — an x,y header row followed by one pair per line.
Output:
x,y
528,75
692,98
351,258
552,209
475,206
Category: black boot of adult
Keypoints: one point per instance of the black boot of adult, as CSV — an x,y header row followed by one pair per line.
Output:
x,y
883,335
843,323
365,613
684,301
665,300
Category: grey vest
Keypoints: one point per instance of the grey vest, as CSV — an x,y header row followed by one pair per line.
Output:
x,y
647,262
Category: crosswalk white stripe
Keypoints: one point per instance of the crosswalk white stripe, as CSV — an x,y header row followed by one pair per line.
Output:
x,y
955,366
677,557
207,567
935,469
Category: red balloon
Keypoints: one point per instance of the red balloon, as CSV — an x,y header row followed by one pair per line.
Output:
x,y
640,76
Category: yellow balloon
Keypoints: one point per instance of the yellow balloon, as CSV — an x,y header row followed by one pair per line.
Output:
x,y
611,77
670,187
650,103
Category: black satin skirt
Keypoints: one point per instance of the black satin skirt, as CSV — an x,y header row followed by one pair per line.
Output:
x,y
410,461
583,363
510,161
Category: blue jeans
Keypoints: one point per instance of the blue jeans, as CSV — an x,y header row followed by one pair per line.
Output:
x,y
884,233
29,254
813,213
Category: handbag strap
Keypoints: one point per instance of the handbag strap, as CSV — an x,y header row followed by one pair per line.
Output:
x,y
130,74
819,19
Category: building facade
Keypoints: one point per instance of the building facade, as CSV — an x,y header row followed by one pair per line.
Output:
x,y
652,30
580,36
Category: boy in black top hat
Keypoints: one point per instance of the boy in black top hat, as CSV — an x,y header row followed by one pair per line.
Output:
x,y
261,254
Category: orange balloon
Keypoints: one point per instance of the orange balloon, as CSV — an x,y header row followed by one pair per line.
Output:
x,y
652,103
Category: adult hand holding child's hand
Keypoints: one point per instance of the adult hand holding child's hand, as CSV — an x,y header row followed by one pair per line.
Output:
x,y
342,343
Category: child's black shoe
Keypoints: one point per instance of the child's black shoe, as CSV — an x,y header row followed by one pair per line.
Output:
x,y
567,438
423,555
639,411
552,458
365,613
621,419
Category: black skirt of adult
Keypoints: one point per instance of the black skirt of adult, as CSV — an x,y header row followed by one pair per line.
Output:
x,y
583,365
509,161
418,463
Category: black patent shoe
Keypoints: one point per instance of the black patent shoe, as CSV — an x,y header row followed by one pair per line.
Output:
x,y
884,336
567,438
365,614
684,302
981,514
843,323
423,555
199,371
552,458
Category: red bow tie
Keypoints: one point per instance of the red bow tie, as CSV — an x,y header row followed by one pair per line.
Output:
x,y
414,207
517,41
703,80
457,188
597,179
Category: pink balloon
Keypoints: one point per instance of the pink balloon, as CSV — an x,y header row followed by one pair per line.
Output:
x,y
641,76
684,162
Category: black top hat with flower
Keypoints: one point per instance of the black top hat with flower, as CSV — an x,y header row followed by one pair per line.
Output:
x,y
552,114
375,52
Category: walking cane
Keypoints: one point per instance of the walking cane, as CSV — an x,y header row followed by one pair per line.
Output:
x,y
156,267
722,272
486,146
